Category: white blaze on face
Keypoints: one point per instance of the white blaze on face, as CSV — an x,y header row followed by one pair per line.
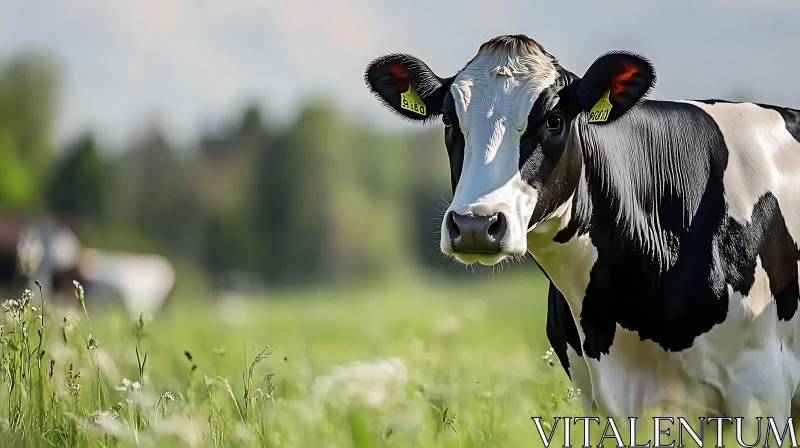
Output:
x,y
493,96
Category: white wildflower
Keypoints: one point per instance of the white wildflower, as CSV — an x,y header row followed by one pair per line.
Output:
x,y
417,347
570,395
233,311
244,433
126,382
308,411
107,365
548,357
371,384
449,325
62,354
188,431
27,295
108,423
275,438
11,306
475,309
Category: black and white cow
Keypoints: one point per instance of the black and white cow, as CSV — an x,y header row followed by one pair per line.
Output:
x,y
669,230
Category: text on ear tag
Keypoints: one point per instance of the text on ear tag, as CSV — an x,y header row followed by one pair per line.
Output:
x,y
411,101
601,109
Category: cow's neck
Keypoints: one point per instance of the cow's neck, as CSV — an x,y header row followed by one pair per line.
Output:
x,y
566,262
610,249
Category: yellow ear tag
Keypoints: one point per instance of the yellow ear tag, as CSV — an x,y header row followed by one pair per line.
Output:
x,y
411,101
601,109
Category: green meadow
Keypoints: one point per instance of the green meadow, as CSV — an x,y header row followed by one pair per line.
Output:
x,y
406,363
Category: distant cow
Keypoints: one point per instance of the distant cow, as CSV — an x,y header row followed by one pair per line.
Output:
x,y
38,246
669,229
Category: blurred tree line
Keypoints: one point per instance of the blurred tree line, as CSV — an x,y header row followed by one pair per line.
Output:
x,y
319,200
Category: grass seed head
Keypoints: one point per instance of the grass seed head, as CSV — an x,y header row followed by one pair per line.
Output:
x,y
78,292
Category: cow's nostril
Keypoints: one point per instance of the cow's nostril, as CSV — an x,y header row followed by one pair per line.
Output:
x,y
452,227
498,228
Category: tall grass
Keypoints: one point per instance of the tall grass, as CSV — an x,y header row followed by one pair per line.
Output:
x,y
395,365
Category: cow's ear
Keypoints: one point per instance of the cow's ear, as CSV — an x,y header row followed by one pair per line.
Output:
x,y
613,84
406,86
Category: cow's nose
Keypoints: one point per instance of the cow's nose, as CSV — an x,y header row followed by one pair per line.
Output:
x,y
476,233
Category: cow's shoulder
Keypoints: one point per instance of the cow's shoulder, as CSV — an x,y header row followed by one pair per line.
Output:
x,y
727,222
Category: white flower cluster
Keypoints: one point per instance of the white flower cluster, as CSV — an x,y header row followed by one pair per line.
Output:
x,y
570,395
548,357
128,386
17,309
368,383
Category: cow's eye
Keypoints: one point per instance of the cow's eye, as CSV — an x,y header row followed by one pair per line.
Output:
x,y
446,121
554,123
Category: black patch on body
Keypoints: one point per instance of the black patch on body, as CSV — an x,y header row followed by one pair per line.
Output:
x,y
766,237
669,160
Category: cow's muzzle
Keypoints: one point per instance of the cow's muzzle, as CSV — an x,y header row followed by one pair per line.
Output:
x,y
476,233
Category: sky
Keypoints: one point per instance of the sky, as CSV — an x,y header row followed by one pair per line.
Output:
x,y
194,63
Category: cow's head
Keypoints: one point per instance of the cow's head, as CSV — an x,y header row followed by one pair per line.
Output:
x,y
509,118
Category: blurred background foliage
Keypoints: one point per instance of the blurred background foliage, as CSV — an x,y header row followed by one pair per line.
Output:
x,y
320,199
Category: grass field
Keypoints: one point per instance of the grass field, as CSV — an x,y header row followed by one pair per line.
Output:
x,y
405,364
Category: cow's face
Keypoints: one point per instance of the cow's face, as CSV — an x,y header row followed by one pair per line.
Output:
x,y
508,118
